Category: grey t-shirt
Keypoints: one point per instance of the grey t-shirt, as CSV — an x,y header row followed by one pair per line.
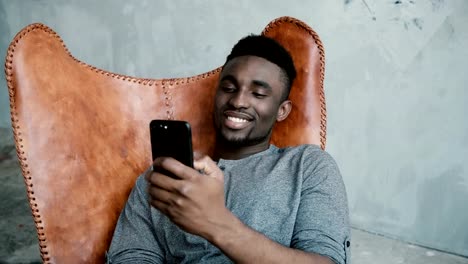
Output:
x,y
294,196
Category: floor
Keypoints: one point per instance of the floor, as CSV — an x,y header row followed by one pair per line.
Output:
x,y
18,241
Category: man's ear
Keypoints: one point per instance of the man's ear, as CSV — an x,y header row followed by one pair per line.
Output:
x,y
284,110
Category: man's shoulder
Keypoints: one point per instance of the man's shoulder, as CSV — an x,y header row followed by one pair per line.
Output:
x,y
310,155
304,150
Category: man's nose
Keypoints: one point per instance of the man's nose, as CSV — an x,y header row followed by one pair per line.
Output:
x,y
239,100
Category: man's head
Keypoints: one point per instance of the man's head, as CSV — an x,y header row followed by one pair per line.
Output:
x,y
269,49
252,91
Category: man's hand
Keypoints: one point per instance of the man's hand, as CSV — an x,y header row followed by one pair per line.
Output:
x,y
195,202
195,199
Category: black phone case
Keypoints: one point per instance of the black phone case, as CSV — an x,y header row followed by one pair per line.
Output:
x,y
172,138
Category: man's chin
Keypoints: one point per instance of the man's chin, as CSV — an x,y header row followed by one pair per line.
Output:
x,y
232,140
239,141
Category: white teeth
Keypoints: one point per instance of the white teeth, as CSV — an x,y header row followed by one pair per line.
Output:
x,y
236,119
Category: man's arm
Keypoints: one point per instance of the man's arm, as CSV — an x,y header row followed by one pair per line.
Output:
x,y
134,240
322,221
245,245
195,202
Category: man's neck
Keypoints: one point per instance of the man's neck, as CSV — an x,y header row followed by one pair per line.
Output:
x,y
235,152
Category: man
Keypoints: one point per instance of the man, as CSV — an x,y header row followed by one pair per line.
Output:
x,y
257,203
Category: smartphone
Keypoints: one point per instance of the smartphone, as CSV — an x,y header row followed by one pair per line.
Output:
x,y
171,138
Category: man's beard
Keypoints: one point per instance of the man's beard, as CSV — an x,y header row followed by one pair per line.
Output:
x,y
243,142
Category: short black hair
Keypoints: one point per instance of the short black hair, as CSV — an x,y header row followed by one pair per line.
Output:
x,y
269,49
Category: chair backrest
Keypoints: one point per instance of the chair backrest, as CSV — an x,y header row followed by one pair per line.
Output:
x,y
82,133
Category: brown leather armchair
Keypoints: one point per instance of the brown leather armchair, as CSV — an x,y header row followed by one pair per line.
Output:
x,y
82,133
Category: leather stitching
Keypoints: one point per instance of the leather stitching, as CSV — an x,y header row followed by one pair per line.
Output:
x,y
166,84
19,140
323,108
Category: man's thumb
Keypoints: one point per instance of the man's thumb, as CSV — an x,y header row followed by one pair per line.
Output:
x,y
207,166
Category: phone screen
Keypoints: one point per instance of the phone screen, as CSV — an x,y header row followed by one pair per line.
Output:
x,y
172,138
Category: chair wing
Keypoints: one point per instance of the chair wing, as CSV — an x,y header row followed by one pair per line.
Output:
x,y
82,133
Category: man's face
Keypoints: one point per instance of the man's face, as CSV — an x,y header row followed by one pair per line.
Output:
x,y
248,101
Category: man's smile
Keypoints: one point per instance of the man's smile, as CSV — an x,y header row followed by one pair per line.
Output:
x,y
236,120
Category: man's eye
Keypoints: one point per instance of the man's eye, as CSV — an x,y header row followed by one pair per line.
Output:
x,y
228,89
259,95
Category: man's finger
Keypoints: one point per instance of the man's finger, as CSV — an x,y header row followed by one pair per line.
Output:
x,y
158,194
174,166
163,207
163,181
197,155
206,165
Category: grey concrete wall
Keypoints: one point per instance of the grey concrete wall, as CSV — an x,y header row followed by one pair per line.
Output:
x,y
395,86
